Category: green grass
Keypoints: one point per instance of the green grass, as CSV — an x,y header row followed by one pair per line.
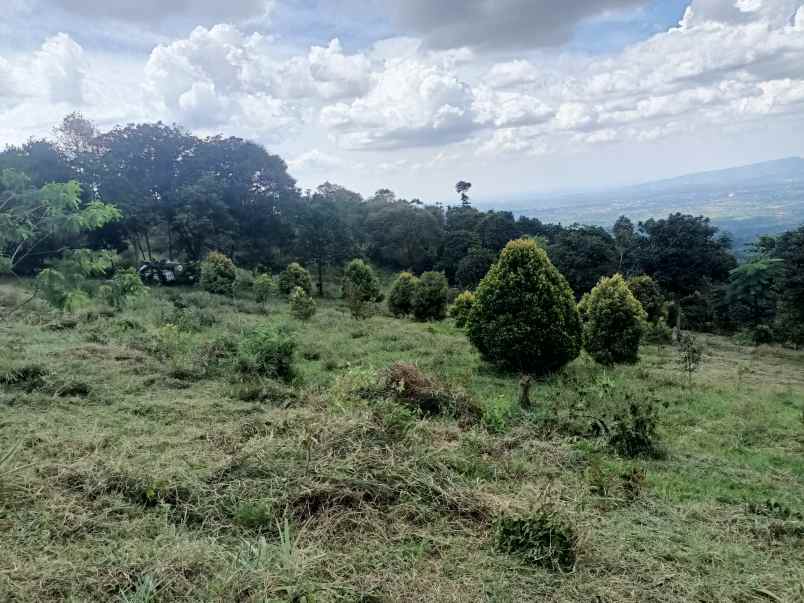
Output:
x,y
148,471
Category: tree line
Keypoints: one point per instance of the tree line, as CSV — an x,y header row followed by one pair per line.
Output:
x,y
182,196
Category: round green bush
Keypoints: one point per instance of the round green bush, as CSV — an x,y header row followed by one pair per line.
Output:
x,y
462,307
430,296
302,306
264,287
218,274
360,287
524,317
294,276
614,322
647,292
400,299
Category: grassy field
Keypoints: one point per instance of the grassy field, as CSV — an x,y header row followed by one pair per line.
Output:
x,y
147,471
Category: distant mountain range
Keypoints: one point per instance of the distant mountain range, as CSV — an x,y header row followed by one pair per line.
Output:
x,y
747,201
780,172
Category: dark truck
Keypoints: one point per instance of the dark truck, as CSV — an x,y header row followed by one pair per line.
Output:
x,y
168,272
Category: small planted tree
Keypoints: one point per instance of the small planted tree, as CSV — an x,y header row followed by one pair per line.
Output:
x,y
461,308
294,276
524,317
264,288
218,274
302,305
613,322
690,355
400,299
430,296
361,287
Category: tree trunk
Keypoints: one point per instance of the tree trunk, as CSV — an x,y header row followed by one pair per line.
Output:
x,y
320,279
525,382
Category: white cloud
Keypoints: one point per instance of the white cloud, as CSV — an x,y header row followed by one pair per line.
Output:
x,y
61,68
316,160
411,103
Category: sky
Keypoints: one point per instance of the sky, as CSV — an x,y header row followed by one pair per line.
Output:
x,y
516,96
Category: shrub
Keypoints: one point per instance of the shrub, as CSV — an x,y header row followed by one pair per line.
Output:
x,y
126,284
430,296
266,352
360,287
302,306
524,317
647,293
264,287
633,434
541,539
658,332
614,322
295,276
400,299
461,308
218,274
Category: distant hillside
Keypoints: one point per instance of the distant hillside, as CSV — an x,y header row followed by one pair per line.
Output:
x,y
747,201
780,171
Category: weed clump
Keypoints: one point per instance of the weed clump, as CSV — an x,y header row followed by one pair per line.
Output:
x,y
266,352
542,539
408,385
28,377
633,434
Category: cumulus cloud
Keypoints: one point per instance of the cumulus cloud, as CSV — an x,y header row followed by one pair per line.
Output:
x,y
728,61
61,68
507,24
411,103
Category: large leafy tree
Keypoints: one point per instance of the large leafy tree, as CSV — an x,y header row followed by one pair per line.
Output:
x,y
753,290
684,254
584,254
455,247
496,229
403,235
139,165
790,249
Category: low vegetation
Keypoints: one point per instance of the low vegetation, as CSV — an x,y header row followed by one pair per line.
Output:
x,y
259,457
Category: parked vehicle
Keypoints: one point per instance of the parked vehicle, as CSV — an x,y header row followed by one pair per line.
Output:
x,y
168,272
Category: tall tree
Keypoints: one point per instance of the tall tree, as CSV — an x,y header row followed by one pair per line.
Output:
x,y
683,254
462,188
323,237
584,254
